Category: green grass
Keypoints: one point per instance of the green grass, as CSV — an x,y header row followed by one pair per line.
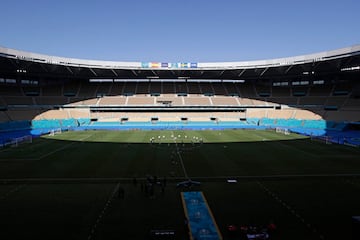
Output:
x,y
57,187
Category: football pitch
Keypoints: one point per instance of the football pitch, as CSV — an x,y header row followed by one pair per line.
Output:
x,y
66,186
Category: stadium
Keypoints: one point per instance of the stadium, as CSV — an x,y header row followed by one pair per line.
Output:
x,y
113,150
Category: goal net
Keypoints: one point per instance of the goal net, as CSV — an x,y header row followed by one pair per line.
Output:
x,y
282,130
24,139
323,139
55,132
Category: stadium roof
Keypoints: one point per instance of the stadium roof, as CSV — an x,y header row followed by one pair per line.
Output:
x,y
38,65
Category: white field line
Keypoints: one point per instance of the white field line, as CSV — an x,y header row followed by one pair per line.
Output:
x,y
320,175
352,183
16,189
297,149
291,210
49,153
102,213
181,160
129,179
32,144
287,146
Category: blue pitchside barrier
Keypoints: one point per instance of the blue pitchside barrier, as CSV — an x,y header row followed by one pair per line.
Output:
x,y
338,131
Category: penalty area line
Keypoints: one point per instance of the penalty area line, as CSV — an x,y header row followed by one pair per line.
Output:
x,y
47,154
64,147
16,189
290,209
103,212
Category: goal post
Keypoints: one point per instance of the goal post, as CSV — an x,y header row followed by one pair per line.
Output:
x,y
282,130
323,139
54,132
19,140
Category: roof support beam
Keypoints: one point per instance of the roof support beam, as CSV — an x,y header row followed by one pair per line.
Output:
x,y
241,73
263,72
173,73
135,73
221,73
288,69
43,67
154,73
92,70
115,73
69,69
315,65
